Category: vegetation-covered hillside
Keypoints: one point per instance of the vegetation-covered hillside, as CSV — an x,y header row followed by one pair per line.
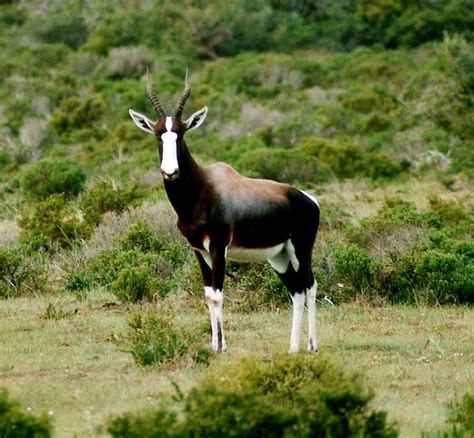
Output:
x,y
367,104
314,94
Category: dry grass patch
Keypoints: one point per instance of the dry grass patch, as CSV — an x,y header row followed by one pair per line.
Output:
x,y
67,361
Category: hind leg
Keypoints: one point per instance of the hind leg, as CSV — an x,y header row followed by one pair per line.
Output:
x,y
293,266
302,288
311,305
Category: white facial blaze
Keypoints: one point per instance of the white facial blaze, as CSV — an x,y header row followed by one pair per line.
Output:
x,y
169,163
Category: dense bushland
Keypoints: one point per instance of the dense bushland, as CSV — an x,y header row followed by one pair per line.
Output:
x,y
403,255
69,158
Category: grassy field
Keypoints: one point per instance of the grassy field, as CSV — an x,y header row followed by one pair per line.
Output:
x,y
63,356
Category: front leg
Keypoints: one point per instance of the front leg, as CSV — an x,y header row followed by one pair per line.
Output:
x,y
214,298
217,293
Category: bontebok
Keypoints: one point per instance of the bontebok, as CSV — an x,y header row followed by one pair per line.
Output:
x,y
225,215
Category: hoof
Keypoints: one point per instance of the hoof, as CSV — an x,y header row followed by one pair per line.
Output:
x,y
312,346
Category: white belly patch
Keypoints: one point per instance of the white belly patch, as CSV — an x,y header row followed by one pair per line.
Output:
x,y
253,254
279,256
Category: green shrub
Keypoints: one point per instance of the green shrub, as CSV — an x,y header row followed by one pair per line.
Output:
x,y
291,396
140,236
368,100
133,284
13,15
160,423
450,212
376,122
104,268
121,28
105,197
131,275
16,424
357,270
52,223
63,25
394,215
448,277
75,113
347,159
267,289
415,256
5,159
19,274
142,267
283,165
50,176
460,421
158,341
461,413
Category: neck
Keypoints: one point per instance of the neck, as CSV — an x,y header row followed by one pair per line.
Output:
x,y
185,191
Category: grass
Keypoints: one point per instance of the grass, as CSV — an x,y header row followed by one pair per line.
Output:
x,y
60,355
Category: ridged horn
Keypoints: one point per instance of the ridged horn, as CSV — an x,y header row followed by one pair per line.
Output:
x,y
178,109
153,97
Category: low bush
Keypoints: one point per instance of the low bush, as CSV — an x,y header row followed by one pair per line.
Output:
x,y
160,341
133,284
283,165
105,197
356,270
142,266
128,62
105,268
14,423
253,286
19,274
140,236
52,223
450,212
291,396
75,113
460,421
51,176
461,413
63,25
448,277
406,255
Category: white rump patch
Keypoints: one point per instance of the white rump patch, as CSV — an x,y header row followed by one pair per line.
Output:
x,y
169,163
290,248
280,261
313,198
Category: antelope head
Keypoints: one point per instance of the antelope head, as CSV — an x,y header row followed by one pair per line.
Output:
x,y
169,130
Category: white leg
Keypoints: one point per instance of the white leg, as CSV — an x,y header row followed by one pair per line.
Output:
x,y
311,305
298,308
209,294
219,303
215,302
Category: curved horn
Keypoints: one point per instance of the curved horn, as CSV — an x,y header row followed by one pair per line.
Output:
x,y
178,109
153,97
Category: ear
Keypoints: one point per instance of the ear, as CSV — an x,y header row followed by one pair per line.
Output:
x,y
144,123
196,119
